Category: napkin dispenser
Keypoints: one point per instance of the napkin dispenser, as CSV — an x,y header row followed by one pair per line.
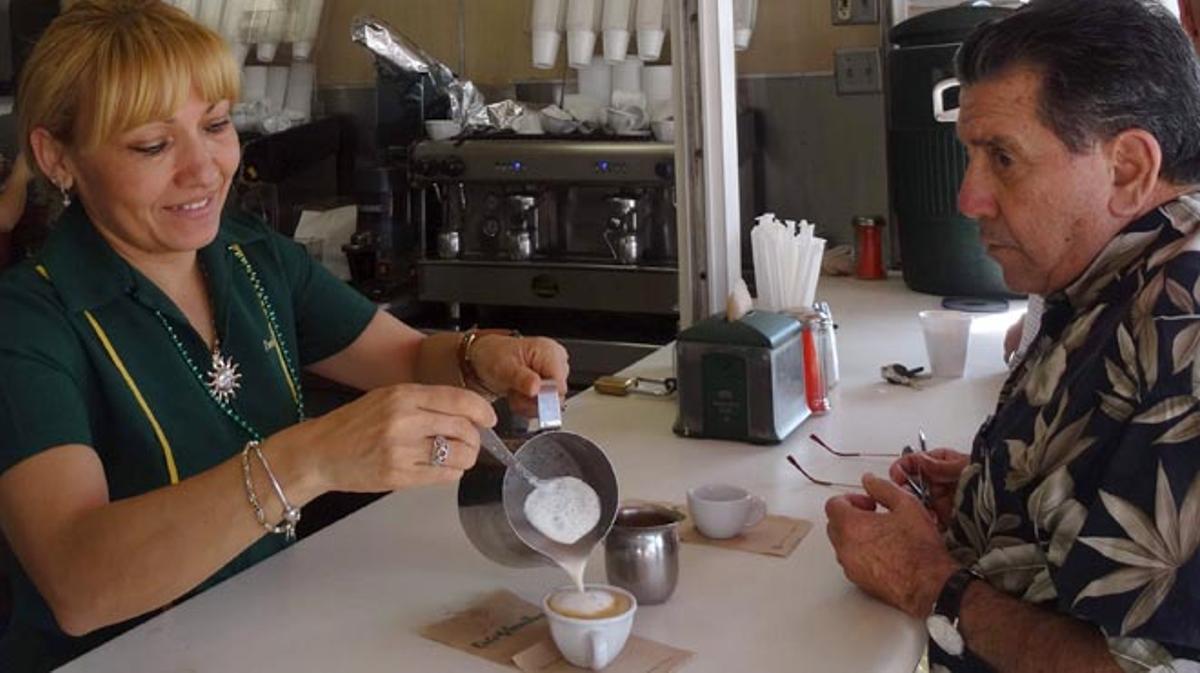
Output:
x,y
742,379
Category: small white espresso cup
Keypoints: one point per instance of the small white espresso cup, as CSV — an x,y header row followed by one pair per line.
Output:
x,y
722,511
591,642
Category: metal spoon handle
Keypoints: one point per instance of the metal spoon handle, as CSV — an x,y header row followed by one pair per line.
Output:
x,y
495,446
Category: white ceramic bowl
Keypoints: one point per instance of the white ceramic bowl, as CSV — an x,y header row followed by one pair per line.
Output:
x,y
441,129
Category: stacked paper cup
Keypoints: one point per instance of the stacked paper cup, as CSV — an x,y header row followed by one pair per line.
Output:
x,y
298,104
627,76
650,21
617,18
254,83
547,22
583,19
660,91
277,83
596,81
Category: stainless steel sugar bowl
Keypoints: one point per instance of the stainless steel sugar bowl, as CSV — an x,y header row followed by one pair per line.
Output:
x,y
641,553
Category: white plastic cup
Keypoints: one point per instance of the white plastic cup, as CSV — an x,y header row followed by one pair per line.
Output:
x,y
741,38
947,338
627,76
616,21
545,48
650,23
650,44
745,13
581,44
302,50
209,13
660,91
616,45
266,51
657,82
277,84
722,511
299,90
254,83
240,51
596,81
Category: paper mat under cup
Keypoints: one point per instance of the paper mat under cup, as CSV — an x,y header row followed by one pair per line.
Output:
x,y
775,536
496,627
505,629
639,656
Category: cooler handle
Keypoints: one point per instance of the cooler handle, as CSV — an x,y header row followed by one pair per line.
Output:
x,y
940,112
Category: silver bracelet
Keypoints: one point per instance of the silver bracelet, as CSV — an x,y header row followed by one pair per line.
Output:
x,y
291,515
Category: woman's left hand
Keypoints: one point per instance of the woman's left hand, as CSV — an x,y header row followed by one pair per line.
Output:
x,y
516,366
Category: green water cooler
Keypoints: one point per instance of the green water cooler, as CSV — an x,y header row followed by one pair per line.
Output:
x,y
940,249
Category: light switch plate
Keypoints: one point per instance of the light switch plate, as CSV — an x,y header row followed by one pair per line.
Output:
x,y
847,12
857,70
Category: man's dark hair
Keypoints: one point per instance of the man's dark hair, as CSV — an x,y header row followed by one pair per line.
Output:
x,y
1107,66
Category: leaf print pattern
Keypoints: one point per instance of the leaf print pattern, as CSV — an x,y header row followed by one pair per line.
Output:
x,y
1146,330
1051,447
1083,491
1048,372
1012,569
1138,655
1183,349
1152,554
1118,255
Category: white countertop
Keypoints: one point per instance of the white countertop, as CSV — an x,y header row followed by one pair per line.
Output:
x,y
352,597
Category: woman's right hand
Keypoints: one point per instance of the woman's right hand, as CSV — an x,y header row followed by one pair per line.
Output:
x,y
385,440
940,469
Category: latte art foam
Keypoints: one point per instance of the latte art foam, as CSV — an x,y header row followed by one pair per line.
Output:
x,y
563,509
590,604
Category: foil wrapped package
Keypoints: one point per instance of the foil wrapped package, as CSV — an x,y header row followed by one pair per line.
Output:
x,y
418,85
510,115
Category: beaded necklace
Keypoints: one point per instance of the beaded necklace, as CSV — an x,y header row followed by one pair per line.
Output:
x,y
285,360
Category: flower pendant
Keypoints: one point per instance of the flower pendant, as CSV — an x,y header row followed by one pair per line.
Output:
x,y
223,378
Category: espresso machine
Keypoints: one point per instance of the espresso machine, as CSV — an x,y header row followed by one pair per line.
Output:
x,y
555,224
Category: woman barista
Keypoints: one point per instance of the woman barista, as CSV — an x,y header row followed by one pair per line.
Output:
x,y
152,430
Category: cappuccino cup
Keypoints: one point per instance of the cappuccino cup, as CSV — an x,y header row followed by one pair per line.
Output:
x,y
590,627
723,511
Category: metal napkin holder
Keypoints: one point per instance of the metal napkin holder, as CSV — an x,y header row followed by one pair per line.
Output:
x,y
741,380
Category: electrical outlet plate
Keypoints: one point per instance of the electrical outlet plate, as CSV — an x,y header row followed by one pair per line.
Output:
x,y
857,71
847,12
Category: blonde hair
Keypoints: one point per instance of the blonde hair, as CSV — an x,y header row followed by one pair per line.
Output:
x,y
104,67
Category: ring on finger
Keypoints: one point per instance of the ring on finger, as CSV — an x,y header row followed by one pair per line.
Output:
x,y
441,451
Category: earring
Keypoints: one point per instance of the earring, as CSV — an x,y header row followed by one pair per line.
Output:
x,y
66,196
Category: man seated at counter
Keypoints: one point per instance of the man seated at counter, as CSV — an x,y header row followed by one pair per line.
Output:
x,y
153,438
1067,540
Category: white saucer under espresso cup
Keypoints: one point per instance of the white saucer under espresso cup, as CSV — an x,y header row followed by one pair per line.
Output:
x,y
723,511
591,642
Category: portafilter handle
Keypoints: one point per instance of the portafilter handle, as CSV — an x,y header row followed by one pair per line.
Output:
x,y
624,209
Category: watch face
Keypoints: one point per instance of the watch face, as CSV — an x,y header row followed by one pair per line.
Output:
x,y
947,637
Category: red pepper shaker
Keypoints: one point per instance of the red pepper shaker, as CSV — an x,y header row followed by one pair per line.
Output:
x,y
868,238
816,390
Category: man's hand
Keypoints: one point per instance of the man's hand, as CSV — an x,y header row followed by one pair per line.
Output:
x,y
895,553
940,470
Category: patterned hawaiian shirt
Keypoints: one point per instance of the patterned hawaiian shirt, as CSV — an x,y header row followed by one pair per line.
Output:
x,y
1083,491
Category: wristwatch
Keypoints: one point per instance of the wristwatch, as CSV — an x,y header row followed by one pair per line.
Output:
x,y
942,624
469,378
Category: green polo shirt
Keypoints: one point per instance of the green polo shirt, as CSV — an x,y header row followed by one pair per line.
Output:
x,y
58,385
